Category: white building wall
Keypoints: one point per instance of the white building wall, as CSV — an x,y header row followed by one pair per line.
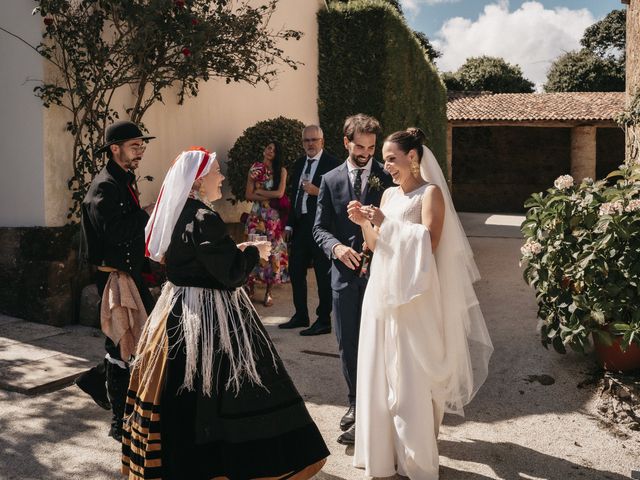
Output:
x,y
21,119
213,119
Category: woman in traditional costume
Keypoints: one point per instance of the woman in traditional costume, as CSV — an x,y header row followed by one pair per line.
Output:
x,y
209,397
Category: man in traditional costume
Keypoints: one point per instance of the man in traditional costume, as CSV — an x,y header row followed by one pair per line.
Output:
x,y
113,223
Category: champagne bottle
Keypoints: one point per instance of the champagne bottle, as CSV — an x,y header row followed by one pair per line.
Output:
x,y
365,263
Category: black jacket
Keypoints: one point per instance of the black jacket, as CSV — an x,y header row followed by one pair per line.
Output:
x,y
113,222
202,254
326,163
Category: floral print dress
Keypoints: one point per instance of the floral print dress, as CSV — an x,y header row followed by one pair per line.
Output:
x,y
264,219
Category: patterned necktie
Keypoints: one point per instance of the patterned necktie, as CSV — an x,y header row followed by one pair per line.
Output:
x,y
357,184
300,195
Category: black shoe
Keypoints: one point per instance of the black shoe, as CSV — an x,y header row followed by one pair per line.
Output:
x,y
348,437
348,419
115,432
295,322
318,328
92,382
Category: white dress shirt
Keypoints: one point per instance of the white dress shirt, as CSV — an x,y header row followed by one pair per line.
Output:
x,y
366,171
314,167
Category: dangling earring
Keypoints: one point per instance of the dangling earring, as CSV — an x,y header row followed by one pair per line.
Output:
x,y
415,168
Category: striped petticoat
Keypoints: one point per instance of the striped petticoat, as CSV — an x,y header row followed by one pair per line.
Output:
x,y
212,325
141,439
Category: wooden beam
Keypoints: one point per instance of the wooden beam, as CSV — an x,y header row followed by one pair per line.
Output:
x,y
535,124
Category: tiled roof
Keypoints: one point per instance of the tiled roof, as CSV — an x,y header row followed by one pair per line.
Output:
x,y
526,107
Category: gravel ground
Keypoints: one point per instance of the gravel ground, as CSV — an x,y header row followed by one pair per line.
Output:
x,y
529,421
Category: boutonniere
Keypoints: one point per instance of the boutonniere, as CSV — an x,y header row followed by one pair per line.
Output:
x,y
375,183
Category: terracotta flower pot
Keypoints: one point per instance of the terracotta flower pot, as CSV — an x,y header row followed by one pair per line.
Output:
x,y
612,358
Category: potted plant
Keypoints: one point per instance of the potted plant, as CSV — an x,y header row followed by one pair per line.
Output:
x,y
582,256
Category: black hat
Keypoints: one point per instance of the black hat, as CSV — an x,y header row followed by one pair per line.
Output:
x,y
121,132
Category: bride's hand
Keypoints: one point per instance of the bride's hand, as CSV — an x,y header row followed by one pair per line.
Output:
x,y
373,214
354,211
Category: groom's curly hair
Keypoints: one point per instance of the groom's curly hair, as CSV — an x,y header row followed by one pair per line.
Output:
x,y
360,123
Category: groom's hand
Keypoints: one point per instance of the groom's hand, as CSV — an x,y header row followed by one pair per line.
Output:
x,y
347,255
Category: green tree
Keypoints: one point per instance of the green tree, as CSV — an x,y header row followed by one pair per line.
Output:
x,y
599,66
608,36
150,46
432,53
583,71
492,74
394,3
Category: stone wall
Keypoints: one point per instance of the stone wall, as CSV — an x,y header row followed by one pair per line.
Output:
x,y
633,52
40,278
496,168
609,150
633,46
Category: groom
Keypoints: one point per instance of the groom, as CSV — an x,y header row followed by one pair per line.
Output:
x,y
359,178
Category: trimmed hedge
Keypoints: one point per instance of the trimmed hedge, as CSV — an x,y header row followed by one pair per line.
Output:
x,y
250,145
371,62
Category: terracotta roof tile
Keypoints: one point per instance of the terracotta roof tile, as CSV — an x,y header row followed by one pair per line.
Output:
x,y
522,107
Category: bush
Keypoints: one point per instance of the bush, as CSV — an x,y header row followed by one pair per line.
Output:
x,y
371,62
582,256
249,146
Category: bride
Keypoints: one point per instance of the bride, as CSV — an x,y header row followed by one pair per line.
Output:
x,y
424,347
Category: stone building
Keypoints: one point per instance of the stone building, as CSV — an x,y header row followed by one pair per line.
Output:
x,y
633,51
504,147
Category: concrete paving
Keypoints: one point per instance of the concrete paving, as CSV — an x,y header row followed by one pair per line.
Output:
x,y
516,428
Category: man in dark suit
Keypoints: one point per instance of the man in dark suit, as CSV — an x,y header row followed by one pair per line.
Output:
x,y
364,179
305,180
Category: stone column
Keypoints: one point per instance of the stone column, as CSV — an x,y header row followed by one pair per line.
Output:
x,y
632,64
583,153
449,155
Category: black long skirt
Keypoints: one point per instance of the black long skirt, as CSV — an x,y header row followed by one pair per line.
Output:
x,y
259,431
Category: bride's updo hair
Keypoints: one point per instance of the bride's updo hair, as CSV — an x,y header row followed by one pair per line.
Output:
x,y
410,139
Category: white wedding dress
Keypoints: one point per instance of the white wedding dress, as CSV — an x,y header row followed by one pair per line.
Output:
x,y
424,348
401,349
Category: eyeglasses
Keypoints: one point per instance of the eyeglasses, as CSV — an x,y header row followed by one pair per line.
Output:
x,y
311,140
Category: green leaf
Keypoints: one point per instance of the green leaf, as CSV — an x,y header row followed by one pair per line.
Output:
x,y
558,346
604,337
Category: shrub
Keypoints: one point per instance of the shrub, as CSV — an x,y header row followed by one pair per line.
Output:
x,y
249,146
582,256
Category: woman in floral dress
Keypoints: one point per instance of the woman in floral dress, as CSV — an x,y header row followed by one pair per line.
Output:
x,y
266,188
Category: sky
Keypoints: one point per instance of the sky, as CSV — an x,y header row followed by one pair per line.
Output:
x,y
529,33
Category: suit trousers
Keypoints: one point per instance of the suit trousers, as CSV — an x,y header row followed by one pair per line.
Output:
x,y
347,308
303,250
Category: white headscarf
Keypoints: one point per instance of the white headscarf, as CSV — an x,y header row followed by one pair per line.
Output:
x,y
187,168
